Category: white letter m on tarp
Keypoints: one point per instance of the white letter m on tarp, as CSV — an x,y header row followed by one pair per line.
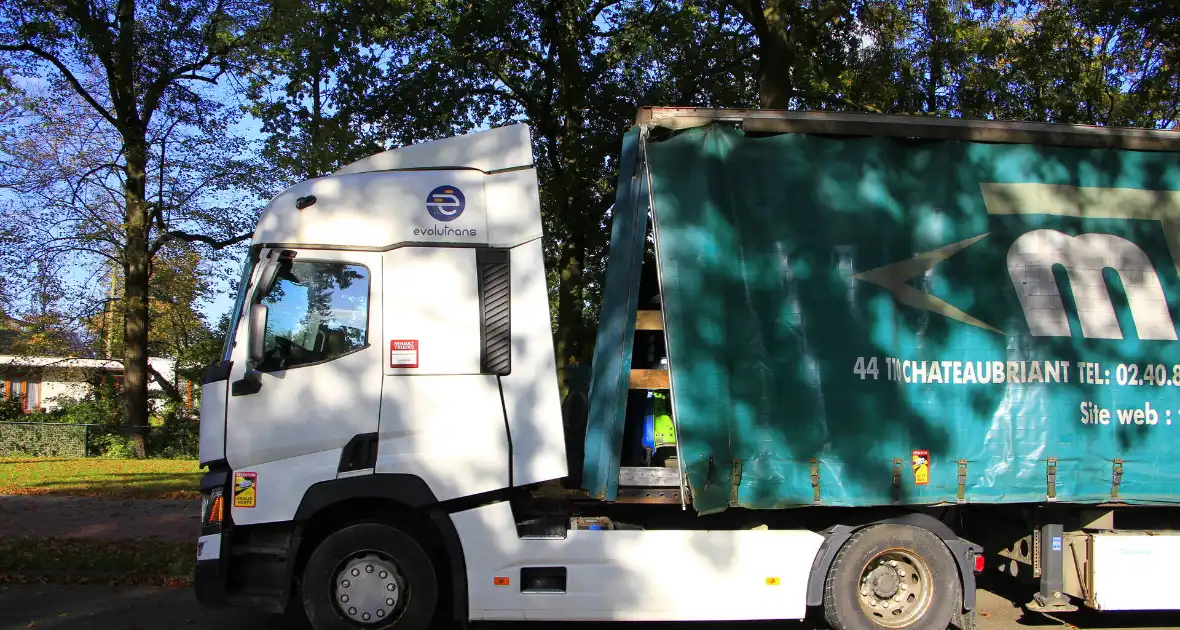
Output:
x,y
1030,265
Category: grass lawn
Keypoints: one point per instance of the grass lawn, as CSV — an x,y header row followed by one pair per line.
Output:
x,y
116,562
93,477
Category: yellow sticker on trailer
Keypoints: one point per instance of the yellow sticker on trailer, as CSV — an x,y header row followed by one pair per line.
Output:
x,y
772,581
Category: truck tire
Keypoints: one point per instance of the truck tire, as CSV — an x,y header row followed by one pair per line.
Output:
x,y
889,577
370,576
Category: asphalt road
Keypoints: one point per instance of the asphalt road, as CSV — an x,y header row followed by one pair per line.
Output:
x,y
107,608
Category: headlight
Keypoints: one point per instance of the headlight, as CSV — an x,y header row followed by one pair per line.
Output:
x,y
212,511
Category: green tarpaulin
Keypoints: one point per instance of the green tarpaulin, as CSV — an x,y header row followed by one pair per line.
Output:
x,y
861,321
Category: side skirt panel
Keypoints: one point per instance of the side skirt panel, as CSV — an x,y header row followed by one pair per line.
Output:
x,y
660,575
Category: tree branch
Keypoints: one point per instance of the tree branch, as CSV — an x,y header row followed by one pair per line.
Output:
x,y
169,389
96,252
189,71
601,6
65,72
633,24
158,212
836,100
177,235
77,186
751,10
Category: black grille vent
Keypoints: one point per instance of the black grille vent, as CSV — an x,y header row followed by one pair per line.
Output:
x,y
495,311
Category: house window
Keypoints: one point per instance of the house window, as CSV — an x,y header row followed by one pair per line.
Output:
x,y
112,379
24,388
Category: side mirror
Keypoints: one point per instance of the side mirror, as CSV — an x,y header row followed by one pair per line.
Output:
x,y
257,333
251,381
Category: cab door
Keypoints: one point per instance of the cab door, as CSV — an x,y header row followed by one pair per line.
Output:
x,y
314,381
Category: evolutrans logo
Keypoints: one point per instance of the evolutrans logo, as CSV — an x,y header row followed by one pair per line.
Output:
x,y
445,203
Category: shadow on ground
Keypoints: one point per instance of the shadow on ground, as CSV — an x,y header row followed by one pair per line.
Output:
x,y
86,517
999,612
108,608
112,608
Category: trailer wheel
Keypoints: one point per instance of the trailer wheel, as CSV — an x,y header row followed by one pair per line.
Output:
x,y
371,576
891,576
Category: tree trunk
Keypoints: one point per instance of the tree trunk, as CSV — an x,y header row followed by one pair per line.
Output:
x,y
777,52
788,33
136,262
775,83
934,29
170,390
561,29
571,322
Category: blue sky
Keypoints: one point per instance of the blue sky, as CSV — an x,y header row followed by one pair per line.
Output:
x,y
251,129
88,278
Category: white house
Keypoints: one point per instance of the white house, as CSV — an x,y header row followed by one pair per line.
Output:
x,y
43,382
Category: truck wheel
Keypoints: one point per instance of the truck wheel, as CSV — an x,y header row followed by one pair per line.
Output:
x,y
369,576
891,576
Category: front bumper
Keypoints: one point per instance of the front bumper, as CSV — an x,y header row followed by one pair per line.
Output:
x,y
210,584
240,566
210,581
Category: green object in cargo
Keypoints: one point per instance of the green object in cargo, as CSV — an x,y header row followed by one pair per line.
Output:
x,y
665,432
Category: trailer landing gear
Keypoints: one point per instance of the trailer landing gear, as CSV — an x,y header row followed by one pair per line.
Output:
x,y
1051,598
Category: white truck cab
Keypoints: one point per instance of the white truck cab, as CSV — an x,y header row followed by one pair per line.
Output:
x,y
393,320
387,407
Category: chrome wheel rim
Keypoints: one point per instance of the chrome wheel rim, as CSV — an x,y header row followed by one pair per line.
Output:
x,y
895,588
368,588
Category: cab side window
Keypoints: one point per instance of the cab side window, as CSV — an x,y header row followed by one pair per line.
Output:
x,y
316,311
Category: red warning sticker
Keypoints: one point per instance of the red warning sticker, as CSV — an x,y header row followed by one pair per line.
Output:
x,y
403,353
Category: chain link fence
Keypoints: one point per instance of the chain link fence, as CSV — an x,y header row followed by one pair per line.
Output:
x,y
180,440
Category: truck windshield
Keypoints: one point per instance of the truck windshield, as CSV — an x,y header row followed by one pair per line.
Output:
x,y
235,315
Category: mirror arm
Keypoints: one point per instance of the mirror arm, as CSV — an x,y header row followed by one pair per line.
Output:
x,y
250,383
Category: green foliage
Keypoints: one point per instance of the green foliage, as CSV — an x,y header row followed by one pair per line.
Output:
x,y
92,427
349,78
178,436
47,330
101,406
124,148
10,408
97,477
41,440
1109,62
175,436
